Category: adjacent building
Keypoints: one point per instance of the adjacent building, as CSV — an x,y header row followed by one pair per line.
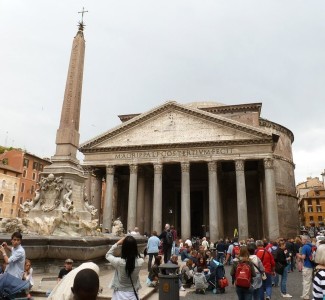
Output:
x,y
9,188
311,202
29,168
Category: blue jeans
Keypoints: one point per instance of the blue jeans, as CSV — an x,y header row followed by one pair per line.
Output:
x,y
275,279
267,286
244,293
284,277
258,293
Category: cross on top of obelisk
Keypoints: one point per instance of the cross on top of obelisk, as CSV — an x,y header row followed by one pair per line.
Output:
x,y
81,24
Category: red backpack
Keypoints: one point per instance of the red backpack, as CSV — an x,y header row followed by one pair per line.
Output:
x,y
243,275
235,251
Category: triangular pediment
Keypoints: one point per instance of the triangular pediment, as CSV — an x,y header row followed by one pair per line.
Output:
x,y
173,123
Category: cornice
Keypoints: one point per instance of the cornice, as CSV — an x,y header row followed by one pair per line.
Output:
x,y
178,145
287,195
278,127
128,117
284,159
174,106
234,108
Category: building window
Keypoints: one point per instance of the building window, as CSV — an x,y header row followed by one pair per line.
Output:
x,y
22,187
13,199
311,218
24,173
34,176
3,184
21,200
35,165
26,162
317,202
310,209
1,197
32,190
320,218
40,167
319,208
309,202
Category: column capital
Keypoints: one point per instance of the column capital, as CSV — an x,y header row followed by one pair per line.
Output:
x,y
212,166
158,168
185,166
268,163
110,170
133,169
239,165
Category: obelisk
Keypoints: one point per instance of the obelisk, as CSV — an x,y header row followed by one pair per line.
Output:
x,y
65,164
67,136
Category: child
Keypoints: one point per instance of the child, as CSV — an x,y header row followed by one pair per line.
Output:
x,y
28,274
200,281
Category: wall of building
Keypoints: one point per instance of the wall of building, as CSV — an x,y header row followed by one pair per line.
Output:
x,y
9,187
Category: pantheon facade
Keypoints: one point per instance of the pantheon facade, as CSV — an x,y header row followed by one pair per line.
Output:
x,y
206,168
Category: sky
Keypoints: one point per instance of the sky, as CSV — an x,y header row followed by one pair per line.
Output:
x,y
140,54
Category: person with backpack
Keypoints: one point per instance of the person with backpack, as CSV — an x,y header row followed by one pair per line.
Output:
x,y
282,259
243,271
307,269
269,265
167,238
274,250
259,270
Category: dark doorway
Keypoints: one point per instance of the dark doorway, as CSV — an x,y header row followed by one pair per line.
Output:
x,y
197,209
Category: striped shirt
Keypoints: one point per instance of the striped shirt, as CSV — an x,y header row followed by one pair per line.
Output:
x,y
319,285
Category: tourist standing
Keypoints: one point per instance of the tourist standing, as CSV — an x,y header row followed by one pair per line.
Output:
x,y
16,261
258,292
152,248
283,258
126,281
307,269
167,239
244,287
319,278
174,233
268,263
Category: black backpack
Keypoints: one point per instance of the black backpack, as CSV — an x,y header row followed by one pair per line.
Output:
x,y
169,238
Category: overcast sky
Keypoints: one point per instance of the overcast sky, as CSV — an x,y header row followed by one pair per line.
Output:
x,y
140,54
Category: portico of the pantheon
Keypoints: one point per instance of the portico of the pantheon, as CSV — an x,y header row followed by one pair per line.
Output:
x,y
203,167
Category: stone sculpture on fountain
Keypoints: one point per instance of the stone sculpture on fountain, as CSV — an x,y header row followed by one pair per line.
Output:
x,y
52,212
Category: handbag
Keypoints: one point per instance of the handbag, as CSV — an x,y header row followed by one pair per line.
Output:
x,y
223,282
263,274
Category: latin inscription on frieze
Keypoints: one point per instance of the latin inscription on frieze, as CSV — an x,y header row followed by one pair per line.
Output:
x,y
174,153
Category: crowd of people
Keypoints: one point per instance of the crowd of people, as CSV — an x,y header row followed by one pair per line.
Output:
x,y
265,264
256,266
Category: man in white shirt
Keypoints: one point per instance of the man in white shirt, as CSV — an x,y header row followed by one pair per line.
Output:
x,y
16,261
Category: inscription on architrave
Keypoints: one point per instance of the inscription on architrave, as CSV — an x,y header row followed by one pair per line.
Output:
x,y
174,153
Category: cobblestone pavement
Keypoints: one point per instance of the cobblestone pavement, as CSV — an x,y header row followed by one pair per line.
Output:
x,y
294,288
